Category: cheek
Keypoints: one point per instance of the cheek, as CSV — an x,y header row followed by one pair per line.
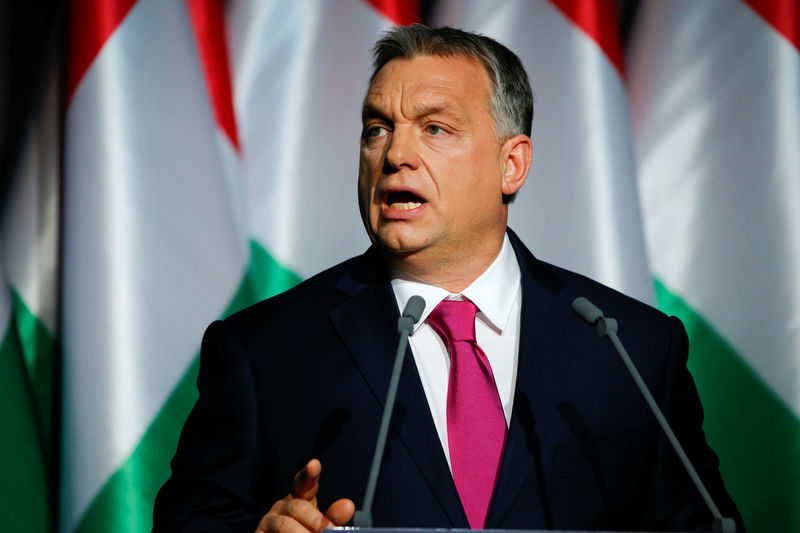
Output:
x,y
363,199
369,162
365,173
476,185
367,178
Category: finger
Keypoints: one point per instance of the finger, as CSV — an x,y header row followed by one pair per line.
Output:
x,y
306,481
293,515
341,511
273,523
306,514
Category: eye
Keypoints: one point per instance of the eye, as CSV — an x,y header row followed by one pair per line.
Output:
x,y
371,132
433,129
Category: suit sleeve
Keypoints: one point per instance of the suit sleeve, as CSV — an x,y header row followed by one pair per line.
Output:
x,y
674,503
214,484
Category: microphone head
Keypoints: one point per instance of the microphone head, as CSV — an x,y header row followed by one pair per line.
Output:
x,y
587,310
414,308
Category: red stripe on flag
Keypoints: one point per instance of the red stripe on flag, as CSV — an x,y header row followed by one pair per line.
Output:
x,y
598,19
208,23
783,15
401,12
91,23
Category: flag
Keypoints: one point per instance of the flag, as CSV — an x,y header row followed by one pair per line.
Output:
x,y
28,324
210,161
715,91
300,72
579,207
152,252
25,483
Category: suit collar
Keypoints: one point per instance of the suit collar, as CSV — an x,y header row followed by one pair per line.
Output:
x,y
495,291
367,324
544,357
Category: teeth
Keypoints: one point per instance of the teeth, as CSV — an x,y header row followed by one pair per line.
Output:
x,y
405,206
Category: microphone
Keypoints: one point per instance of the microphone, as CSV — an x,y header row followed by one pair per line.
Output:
x,y
405,325
607,327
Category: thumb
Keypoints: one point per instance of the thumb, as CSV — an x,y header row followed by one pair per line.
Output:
x,y
306,481
341,511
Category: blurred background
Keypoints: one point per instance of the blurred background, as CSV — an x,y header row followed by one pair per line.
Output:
x,y
163,164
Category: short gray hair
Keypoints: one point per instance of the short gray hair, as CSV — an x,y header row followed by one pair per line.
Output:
x,y
511,103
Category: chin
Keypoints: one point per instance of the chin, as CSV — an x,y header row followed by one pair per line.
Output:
x,y
399,243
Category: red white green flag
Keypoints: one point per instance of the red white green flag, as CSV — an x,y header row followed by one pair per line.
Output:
x,y
202,173
28,324
715,90
579,207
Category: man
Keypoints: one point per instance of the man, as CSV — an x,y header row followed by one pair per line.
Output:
x,y
523,418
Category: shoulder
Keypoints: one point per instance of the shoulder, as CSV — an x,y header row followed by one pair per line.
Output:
x,y
612,302
639,323
312,299
561,287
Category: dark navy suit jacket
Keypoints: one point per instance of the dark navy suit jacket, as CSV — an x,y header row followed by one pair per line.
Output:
x,y
305,374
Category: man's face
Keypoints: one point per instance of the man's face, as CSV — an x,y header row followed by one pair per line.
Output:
x,y
431,169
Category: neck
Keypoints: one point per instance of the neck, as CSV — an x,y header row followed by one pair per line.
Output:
x,y
453,273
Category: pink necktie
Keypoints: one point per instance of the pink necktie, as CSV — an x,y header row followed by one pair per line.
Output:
x,y
476,425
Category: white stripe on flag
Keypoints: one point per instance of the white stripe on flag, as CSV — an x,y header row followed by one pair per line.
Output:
x,y
152,248
30,222
717,114
299,74
579,207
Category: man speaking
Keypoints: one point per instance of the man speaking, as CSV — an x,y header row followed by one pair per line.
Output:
x,y
511,412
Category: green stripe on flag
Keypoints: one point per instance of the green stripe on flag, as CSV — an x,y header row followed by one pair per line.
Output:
x,y
125,503
38,347
25,497
267,277
755,435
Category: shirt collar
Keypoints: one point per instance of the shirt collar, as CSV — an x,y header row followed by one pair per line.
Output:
x,y
494,292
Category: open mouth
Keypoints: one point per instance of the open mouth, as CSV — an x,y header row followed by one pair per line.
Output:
x,y
403,200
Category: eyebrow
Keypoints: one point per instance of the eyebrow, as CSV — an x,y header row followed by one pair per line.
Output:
x,y
369,111
422,110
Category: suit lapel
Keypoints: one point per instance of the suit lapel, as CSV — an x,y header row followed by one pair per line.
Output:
x,y
367,324
545,351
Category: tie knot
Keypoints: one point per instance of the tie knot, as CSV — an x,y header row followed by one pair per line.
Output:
x,y
454,320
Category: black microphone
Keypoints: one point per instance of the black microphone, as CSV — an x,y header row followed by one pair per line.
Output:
x,y
405,324
607,327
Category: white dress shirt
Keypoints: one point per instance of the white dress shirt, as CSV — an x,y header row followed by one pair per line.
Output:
x,y
498,294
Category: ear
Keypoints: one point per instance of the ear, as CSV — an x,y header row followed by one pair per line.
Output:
x,y
516,153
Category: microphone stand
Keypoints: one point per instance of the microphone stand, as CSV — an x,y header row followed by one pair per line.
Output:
x,y
607,327
405,325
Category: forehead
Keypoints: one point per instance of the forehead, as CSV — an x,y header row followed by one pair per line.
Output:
x,y
430,80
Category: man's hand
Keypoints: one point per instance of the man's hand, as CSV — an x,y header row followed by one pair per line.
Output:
x,y
298,513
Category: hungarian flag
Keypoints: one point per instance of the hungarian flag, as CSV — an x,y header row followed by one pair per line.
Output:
x,y
579,207
715,90
211,161
28,319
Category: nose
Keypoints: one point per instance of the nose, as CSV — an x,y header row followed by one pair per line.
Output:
x,y
401,151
